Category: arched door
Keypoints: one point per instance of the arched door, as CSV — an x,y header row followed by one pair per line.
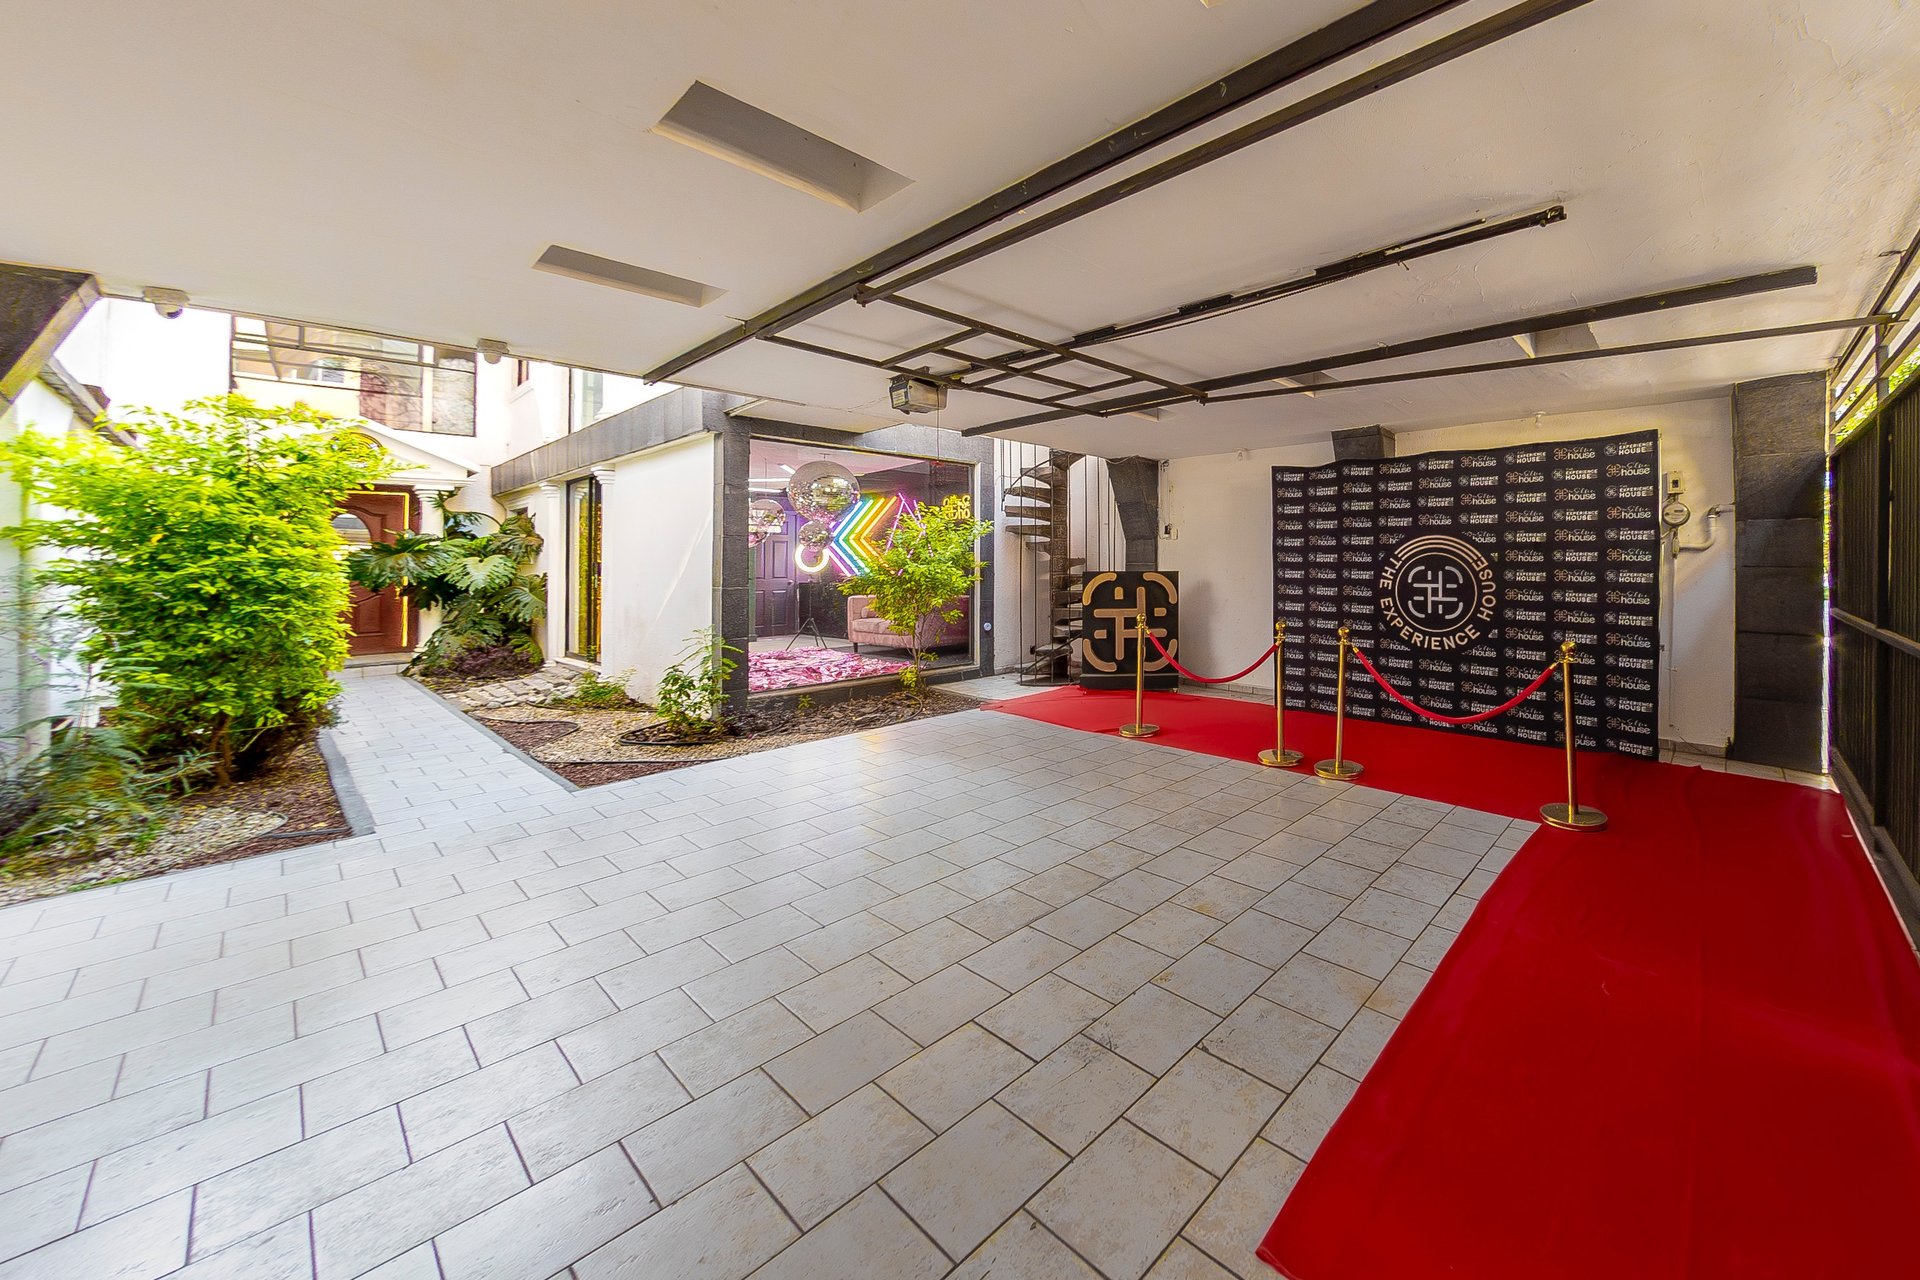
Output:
x,y
377,620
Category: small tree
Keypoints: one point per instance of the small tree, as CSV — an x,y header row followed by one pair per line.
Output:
x,y
488,600
928,566
205,565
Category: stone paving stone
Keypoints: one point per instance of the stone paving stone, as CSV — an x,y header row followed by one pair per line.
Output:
x,y
929,1009
1207,1110
42,1211
1309,1111
465,1105
1214,979
824,1163
1084,921
549,1225
961,1186
843,991
721,1232
619,1038
1152,1027
83,1136
51,1097
149,1241
531,1022
826,1068
870,1239
1075,1093
281,1252
1044,1015
687,1146
582,1120
234,1205
1322,990
1122,1200
1113,967
1023,1250
1019,958
1182,1261
927,950
367,1086
660,972
1274,1043
729,990
1352,1054
390,1215
1359,947
1231,1224
945,1081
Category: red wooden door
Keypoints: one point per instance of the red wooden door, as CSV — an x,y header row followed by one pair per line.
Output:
x,y
377,621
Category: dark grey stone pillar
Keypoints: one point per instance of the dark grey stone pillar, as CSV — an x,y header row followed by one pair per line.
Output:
x,y
1779,468
1136,492
732,568
38,309
1362,442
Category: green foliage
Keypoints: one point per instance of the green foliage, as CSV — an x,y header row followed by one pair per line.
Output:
x,y
694,690
593,692
928,567
479,580
205,565
89,791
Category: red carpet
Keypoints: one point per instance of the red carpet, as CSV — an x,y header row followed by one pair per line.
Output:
x,y
1688,1046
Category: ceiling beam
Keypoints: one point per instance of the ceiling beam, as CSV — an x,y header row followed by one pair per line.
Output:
x,y
1641,304
1456,44
1563,357
1341,38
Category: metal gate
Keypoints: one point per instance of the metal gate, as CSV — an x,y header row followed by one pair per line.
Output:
x,y
1875,607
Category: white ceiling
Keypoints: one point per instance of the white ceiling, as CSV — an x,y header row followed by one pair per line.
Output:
x,y
398,167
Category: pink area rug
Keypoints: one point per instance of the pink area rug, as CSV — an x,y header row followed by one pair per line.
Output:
x,y
791,668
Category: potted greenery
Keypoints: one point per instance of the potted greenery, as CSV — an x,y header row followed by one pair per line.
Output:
x,y
928,567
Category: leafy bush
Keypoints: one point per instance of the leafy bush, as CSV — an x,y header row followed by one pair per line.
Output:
x,y
204,562
694,689
927,567
594,692
87,792
490,605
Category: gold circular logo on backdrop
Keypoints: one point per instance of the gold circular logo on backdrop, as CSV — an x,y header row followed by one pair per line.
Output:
x,y
1437,592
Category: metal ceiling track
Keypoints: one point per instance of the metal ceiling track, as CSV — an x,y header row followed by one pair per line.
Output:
x,y
1340,39
1641,304
984,372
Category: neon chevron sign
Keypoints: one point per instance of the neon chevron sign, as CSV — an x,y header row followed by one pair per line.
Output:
x,y
859,536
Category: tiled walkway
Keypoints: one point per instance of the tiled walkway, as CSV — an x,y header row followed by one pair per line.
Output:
x,y
972,996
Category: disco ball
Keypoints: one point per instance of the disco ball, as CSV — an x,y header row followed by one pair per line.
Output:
x,y
765,517
815,535
822,490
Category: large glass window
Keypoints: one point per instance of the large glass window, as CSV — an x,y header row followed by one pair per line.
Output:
x,y
583,568
405,386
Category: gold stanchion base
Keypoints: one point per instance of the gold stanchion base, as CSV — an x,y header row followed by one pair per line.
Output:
x,y
1338,770
1582,819
1279,759
1138,730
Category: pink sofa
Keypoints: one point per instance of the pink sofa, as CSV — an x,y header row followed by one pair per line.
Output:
x,y
934,631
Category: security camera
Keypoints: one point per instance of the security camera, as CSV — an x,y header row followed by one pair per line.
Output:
x,y
168,302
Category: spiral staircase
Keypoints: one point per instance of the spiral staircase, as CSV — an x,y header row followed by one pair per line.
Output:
x,y
1035,508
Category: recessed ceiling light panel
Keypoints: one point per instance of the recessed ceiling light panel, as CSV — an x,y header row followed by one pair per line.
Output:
x,y
595,269
741,133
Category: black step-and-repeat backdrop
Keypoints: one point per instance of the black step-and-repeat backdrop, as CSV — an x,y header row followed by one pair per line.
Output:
x,y
1460,574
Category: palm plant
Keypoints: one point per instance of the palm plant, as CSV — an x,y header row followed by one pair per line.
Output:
x,y
478,580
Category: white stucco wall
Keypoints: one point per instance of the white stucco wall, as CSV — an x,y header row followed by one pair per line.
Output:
x,y
657,559
1221,509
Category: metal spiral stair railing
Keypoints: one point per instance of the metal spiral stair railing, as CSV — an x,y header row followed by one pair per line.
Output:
x,y
1035,510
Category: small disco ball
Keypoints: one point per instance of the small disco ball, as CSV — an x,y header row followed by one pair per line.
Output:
x,y
815,535
822,490
765,517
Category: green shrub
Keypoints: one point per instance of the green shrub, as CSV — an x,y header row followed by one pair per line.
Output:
x,y
693,690
927,567
479,582
205,565
593,692
86,793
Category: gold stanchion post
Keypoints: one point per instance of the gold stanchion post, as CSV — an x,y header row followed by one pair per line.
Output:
x,y
1138,729
1571,816
1279,757
1340,768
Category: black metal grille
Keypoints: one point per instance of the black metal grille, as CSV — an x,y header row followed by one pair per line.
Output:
x,y
1876,621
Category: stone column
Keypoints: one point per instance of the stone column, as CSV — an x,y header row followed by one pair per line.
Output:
x,y
1779,474
549,511
1136,493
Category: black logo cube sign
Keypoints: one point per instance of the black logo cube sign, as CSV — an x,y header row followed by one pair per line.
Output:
x,y
1460,573
1109,603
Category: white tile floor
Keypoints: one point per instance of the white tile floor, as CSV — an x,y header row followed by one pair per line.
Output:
x,y
974,996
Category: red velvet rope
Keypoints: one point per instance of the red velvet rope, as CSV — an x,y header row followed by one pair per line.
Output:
x,y
1477,716
1175,664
